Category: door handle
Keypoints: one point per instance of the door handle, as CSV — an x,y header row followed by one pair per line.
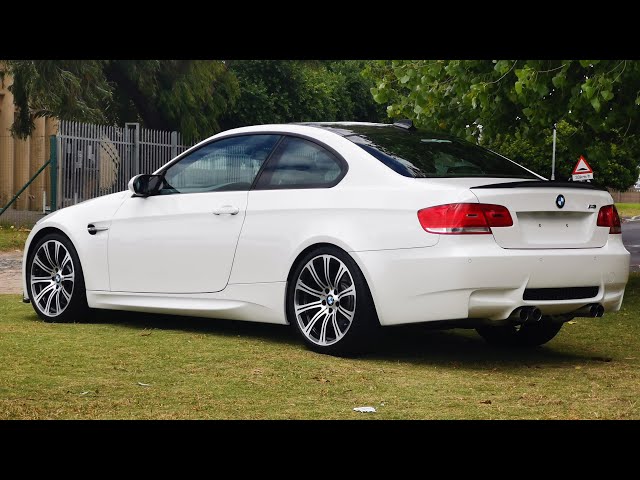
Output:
x,y
92,229
226,210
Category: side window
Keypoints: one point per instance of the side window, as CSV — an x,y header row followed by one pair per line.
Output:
x,y
223,165
299,163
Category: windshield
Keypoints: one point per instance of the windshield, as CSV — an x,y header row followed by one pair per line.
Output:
x,y
418,154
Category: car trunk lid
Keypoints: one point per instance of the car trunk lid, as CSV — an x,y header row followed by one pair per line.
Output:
x,y
545,214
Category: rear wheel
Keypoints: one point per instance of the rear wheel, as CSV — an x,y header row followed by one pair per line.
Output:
x,y
55,280
329,303
527,335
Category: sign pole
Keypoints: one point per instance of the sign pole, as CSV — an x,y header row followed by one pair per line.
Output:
x,y
553,155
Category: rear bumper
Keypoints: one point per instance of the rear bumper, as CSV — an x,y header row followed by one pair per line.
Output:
x,y
472,277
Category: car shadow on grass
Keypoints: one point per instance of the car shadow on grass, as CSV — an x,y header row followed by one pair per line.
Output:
x,y
464,348
232,328
411,344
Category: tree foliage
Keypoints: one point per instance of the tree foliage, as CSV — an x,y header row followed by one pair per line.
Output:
x,y
281,91
184,95
195,97
511,106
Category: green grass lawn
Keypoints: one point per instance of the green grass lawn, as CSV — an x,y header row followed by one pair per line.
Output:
x,y
628,209
202,368
12,238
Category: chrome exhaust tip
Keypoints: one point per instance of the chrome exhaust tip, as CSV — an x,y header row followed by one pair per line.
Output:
x,y
535,315
526,315
593,310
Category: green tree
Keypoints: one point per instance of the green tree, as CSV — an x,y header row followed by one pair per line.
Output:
x,y
185,95
281,91
511,106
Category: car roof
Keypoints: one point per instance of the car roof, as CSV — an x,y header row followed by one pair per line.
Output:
x,y
347,129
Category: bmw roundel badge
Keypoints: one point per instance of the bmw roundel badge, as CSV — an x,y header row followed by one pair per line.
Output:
x,y
560,201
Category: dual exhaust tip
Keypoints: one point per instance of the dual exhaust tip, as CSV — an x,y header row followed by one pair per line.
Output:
x,y
523,315
526,315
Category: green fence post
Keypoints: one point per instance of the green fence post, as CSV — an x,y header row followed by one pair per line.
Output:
x,y
54,173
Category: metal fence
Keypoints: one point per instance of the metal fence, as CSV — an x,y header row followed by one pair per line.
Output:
x,y
91,160
96,160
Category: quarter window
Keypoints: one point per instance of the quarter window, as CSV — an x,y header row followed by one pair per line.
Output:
x,y
223,165
299,163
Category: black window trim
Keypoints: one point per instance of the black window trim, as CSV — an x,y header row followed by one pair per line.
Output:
x,y
344,166
342,163
191,150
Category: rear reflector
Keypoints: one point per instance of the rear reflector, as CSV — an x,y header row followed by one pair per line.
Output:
x,y
464,218
608,217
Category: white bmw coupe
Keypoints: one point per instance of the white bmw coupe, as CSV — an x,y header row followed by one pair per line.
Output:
x,y
338,229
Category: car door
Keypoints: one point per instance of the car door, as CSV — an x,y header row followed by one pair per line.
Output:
x,y
183,240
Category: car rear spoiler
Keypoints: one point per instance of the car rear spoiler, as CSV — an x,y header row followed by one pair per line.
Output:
x,y
544,184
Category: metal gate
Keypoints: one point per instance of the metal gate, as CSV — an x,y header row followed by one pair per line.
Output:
x,y
95,160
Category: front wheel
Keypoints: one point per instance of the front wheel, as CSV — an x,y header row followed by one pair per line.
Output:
x,y
330,305
527,335
55,280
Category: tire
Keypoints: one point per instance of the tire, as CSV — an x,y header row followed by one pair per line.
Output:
x,y
528,335
331,319
55,280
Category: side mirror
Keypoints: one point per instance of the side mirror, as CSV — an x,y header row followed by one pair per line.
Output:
x,y
146,185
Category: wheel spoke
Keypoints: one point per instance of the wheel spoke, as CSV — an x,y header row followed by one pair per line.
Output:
x,y
346,313
37,261
303,287
314,274
67,258
67,296
336,328
308,306
323,329
341,271
58,301
68,277
326,260
47,308
312,322
350,290
56,253
42,292
47,254
40,279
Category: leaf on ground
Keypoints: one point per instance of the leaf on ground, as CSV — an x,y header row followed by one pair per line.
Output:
x,y
145,333
572,322
486,402
321,379
144,384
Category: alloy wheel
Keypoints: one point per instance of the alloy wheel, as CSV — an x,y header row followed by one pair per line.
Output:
x,y
324,300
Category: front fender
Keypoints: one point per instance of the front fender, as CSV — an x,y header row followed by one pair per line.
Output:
x,y
92,249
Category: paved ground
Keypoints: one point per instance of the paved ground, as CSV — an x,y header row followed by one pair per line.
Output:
x,y
11,262
631,239
10,271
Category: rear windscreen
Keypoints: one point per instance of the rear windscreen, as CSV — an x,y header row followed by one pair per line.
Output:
x,y
422,155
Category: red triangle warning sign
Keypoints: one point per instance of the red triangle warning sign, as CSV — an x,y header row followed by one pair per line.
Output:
x,y
582,167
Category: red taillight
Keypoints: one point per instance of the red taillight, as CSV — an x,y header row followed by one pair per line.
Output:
x,y
608,217
464,218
